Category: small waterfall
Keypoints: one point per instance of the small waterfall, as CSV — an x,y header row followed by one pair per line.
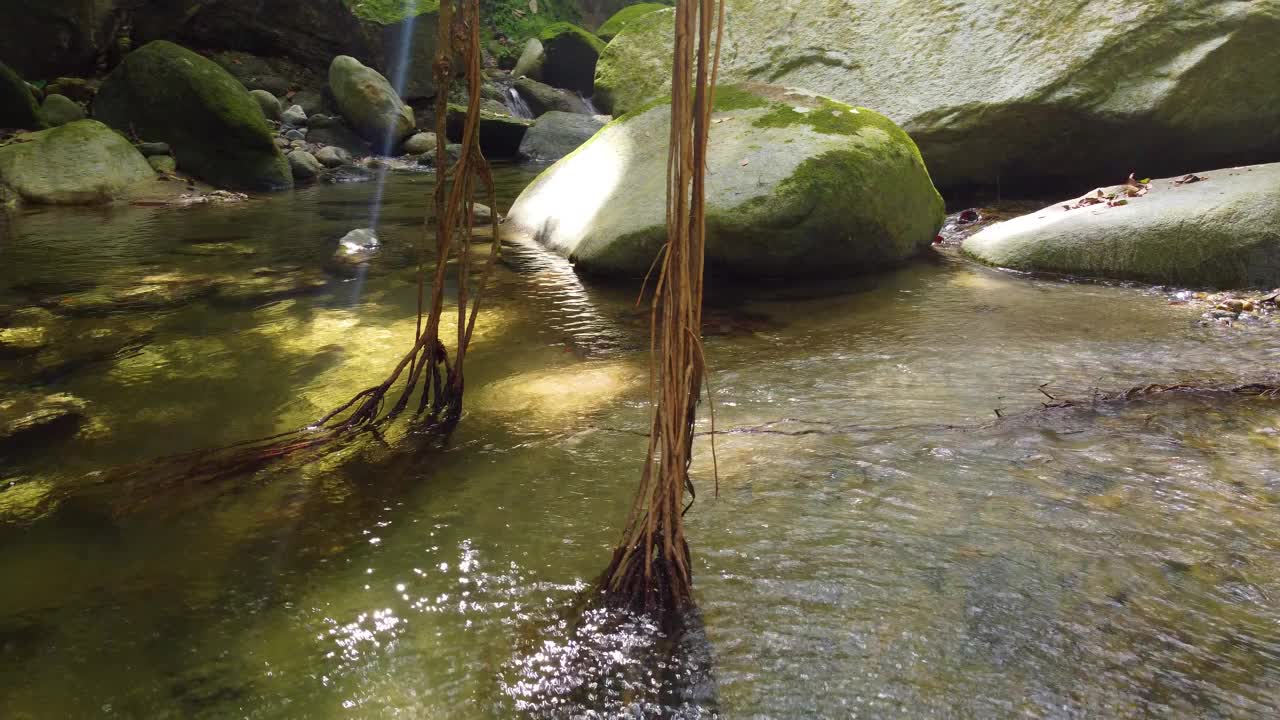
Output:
x,y
591,107
516,104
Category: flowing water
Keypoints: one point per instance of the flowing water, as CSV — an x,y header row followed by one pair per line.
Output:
x,y
882,545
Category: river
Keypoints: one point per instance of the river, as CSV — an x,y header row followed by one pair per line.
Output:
x,y
883,545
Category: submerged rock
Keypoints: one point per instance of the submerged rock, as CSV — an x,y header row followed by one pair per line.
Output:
x,y
994,91
79,163
571,55
1222,230
556,134
165,92
354,251
60,110
268,284
32,417
149,292
18,108
369,103
797,184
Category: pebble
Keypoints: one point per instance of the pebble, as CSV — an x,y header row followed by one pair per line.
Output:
x,y
296,135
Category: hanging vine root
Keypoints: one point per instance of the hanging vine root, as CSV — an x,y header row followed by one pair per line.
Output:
x,y
651,569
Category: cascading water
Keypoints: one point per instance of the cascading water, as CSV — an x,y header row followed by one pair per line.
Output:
x,y
516,104
591,107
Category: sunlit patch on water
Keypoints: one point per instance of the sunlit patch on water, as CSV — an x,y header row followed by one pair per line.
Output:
x,y
549,397
610,663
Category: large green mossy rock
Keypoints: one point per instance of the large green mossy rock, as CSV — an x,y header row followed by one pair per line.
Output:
x,y
997,91
570,57
1222,232
78,163
369,103
797,184
165,92
614,25
18,109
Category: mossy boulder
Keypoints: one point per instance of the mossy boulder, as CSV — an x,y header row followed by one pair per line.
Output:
x,y
614,25
571,55
797,185
18,108
1223,231
369,103
78,163
500,134
1035,91
59,110
165,92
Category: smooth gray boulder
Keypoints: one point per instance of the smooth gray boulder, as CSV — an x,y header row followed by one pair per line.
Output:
x,y
556,134
333,156
531,60
1222,231
542,98
419,143
82,162
369,103
269,103
295,116
304,165
1005,92
797,185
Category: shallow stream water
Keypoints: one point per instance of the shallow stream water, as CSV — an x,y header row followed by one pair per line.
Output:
x,y
883,545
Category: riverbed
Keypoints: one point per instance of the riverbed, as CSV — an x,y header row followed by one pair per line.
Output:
x,y
902,529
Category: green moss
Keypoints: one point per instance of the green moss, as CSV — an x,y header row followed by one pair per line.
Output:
x,y
508,24
387,12
620,19
557,32
828,117
636,65
735,97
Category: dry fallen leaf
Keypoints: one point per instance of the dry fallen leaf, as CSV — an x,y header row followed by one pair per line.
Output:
x,y
744,163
